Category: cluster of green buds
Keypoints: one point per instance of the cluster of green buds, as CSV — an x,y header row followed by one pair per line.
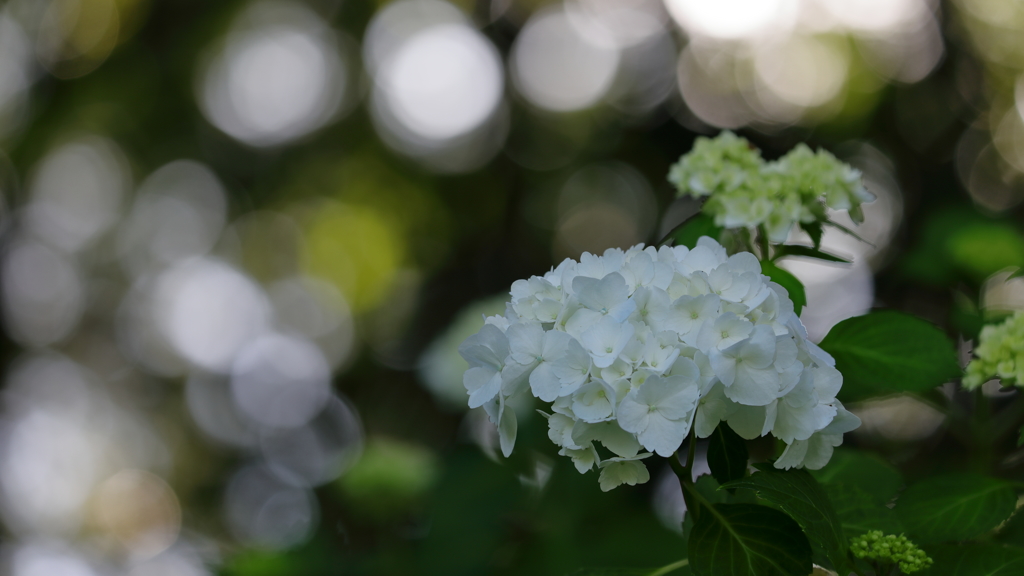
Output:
x,y
999,354
890,549
745,191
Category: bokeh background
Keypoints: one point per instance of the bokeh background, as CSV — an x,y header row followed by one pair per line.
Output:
x,y
241,241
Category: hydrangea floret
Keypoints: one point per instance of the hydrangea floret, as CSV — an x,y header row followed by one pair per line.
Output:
x,y
999,354
742,190
634,349
890,549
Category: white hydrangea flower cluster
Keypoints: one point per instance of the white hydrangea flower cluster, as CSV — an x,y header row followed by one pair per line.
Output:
x,y
633,348
744,191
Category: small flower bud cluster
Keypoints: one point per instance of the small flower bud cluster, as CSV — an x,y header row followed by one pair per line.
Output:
x,y
633,348
1000,354
744,191
889,548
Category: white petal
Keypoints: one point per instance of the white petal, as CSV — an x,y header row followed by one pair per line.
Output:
x,y
724,367
560,429
629,472
524,342
584,459
507,427
489,346
664,436
631,414
748,421
515,378
609,434
792,456
543,382
759,350
712,409
482,383
601,295
593,402
754,387
843,422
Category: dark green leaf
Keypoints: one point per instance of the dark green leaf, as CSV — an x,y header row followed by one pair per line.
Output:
x,y
708,485
1012,532
861,470
788,281
727,454
808,252
954,507
859,512
690,231
814,230
800,496
888,352
680,568
975,560
984,248
748,540
847,230
1020,438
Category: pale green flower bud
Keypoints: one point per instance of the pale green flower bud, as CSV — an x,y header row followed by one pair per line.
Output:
x,y
999,354
891,549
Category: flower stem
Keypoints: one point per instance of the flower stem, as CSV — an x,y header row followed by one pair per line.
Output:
x,y
670,568
762,238
692,498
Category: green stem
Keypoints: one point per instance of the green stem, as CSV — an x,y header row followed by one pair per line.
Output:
x,y
762,238
981,425
672,232
685,480
685,475
691,451
670,568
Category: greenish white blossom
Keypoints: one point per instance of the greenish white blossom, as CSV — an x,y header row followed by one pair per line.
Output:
x,y
744,191
999,354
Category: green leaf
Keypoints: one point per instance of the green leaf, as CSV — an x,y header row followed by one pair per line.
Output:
x,y
679,568
847,231
800,496
1020,438
727,454
1012,532
788,281
984,248
814,230
859,512
748,540
691,230
954,507
861,470
975,560
808,252
708,486
888,352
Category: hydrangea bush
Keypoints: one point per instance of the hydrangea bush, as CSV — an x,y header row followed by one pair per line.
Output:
x,y
641,353
634,348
